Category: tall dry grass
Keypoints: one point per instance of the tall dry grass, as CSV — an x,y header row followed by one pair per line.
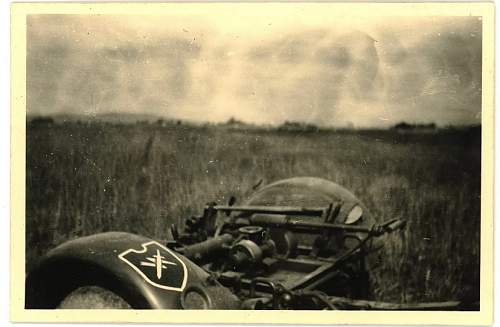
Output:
x,y
84,179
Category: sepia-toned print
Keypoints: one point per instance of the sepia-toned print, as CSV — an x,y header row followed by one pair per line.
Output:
x,y
183,160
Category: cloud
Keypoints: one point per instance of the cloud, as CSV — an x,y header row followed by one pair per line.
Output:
x,y
94,71
434,75
423,70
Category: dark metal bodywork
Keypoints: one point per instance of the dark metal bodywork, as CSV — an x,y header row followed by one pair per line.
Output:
x,y
94,260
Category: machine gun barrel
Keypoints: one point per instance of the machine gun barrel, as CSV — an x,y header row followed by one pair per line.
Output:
x,y
282,217
300,224
297,211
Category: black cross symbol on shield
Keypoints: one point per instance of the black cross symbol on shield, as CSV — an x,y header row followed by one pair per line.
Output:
x,y
158,265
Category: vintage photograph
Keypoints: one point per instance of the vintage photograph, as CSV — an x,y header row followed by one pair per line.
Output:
x,y
183,160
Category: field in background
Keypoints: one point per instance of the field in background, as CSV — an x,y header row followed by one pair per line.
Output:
x,y
94,177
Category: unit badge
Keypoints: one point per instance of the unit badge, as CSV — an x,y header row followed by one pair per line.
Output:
x,y
158,265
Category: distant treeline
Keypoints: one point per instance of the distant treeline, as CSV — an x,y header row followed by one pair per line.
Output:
x,y
406,126
235,124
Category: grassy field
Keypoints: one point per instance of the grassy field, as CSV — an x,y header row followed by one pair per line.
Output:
x,y
88,178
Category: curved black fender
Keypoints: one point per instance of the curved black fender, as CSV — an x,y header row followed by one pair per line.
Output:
x,y
143,272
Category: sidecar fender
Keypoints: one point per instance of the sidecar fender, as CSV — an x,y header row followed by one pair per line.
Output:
x,y
143,272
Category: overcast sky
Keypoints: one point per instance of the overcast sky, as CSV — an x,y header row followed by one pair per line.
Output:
x,y
327,71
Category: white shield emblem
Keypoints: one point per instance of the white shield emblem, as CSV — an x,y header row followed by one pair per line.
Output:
x,y
157,265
